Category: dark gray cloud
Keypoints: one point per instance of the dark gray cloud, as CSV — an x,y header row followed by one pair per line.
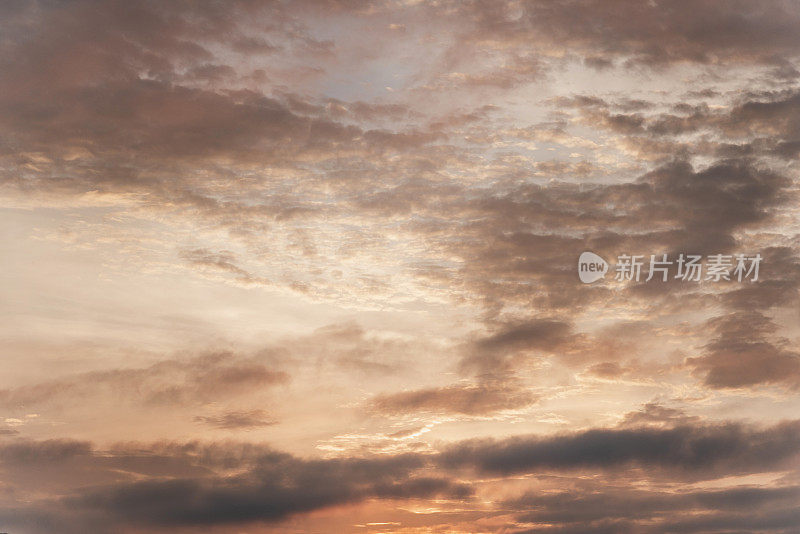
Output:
x,y
691,451
268,495
207,484
620,509
169,485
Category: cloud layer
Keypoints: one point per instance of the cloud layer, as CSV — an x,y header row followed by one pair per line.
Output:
x,y
310,266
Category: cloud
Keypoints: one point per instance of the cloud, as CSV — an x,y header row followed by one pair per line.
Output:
x,y
744,354
216,484
620,509
258,142
651,34
713,202
542,334
702,451
192,381
43,452
496,354
653,413
272,492
8,430
779,287
224,262
235,420
466,399
169,485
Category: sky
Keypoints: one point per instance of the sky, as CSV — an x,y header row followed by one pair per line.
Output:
x,y
313,266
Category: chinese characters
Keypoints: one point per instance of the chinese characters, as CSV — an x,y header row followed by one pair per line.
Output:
x,y
689,267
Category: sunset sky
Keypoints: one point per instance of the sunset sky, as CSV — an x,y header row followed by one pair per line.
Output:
x,y
312,267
